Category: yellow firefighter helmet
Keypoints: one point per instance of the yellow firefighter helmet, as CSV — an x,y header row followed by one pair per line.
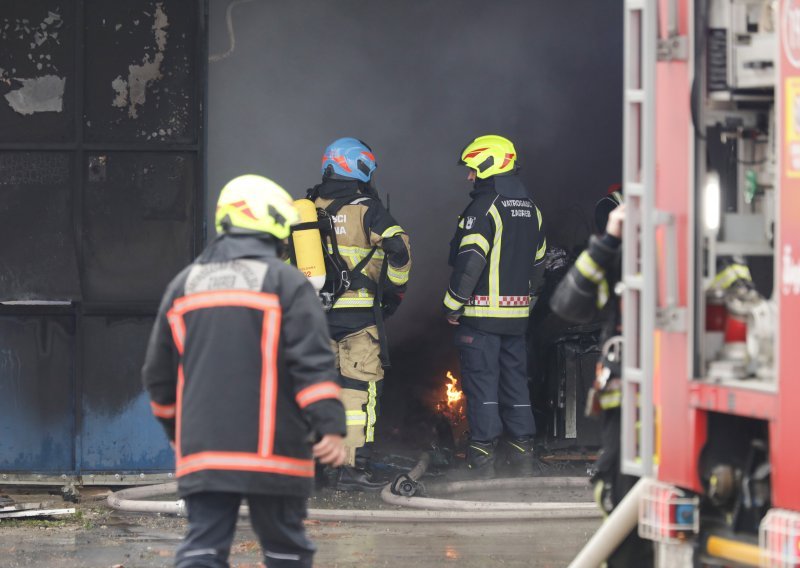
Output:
x,y
489,155
252,203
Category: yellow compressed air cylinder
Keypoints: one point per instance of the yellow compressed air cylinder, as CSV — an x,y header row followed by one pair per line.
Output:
x,y
308,245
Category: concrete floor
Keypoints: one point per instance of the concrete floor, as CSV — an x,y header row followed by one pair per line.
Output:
x,y
99,537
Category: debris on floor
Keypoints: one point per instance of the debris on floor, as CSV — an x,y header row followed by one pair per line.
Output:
x,y
33,510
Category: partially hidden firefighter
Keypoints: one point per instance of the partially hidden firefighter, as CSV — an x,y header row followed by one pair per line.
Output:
x,y
368,263
588,293
497,255
242,378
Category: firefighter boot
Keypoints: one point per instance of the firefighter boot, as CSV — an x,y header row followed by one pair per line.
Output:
x,y
351,479
519,456
480,459
364,457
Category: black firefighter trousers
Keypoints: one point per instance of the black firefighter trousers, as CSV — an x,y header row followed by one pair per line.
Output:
x,y
276,520
495,378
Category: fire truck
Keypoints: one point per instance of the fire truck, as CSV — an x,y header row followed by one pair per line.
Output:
x,y
711,394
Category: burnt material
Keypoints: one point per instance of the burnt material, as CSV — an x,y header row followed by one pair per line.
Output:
x,y
570,374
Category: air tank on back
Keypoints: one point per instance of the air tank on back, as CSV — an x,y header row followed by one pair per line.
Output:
x,y
308,244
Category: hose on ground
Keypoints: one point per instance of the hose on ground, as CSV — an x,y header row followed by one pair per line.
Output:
x,y
136,499
510,483
554,510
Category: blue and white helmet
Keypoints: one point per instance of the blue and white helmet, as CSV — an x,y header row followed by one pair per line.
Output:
x,y
349,158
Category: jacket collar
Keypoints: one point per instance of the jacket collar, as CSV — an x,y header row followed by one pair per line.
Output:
x,y
482,187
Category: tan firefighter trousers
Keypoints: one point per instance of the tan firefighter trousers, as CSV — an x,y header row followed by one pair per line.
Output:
x,y
358,360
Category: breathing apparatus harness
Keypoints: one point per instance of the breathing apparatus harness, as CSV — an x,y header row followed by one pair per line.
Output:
x,y
338,278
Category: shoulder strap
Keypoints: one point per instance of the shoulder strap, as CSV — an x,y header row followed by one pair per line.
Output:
x,y
377,310
335,205
313,193
364,261
357,278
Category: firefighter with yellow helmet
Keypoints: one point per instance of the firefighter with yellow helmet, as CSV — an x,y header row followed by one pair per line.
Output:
x,y
241,376
497,256
368,263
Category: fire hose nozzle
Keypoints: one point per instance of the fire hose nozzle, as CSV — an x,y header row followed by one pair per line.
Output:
x,y
404,486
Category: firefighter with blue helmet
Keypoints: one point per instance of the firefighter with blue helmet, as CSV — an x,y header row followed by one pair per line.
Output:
x,y
497,255
371,251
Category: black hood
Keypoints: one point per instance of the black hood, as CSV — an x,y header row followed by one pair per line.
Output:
x,y
507,185
334,188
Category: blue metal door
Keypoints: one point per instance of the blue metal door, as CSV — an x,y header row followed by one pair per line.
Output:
x,y
101,204
36,393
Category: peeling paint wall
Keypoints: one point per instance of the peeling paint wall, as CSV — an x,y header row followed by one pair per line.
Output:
x,y
133,91
143,84
40,94
40,87
101,178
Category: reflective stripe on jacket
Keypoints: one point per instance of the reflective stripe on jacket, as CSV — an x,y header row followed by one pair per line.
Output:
x,y
361,225
498,247
240,372
586,288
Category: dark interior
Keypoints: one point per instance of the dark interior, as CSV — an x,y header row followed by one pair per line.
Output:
x,y
141,111
417,81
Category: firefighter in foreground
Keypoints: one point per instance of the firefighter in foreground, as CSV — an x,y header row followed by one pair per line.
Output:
x,y
368,261
497,257
242,378
585,294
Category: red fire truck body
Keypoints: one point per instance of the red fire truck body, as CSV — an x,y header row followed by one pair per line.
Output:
x,y
684,400
712,171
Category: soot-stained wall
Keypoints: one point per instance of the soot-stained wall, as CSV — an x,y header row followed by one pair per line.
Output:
x,y
417,80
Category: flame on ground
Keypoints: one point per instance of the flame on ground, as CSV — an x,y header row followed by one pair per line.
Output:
x,y
453,394
451,406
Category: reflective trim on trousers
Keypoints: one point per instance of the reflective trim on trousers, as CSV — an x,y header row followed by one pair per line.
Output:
x,y
372,393
356,418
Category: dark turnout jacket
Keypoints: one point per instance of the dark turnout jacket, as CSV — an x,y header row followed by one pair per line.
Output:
x,y
584,293
240,372
497,256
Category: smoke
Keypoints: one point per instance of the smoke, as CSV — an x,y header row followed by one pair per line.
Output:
x,y
417,80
